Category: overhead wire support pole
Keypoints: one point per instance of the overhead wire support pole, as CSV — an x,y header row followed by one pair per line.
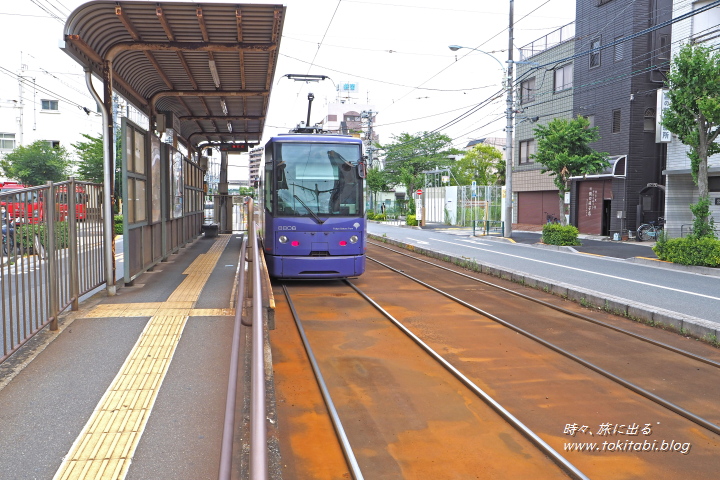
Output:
x,y
509,133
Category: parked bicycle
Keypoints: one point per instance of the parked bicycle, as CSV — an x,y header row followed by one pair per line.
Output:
x,y
551,218
650,230
7,225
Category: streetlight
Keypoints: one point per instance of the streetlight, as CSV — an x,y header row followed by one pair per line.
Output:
x,y
508,135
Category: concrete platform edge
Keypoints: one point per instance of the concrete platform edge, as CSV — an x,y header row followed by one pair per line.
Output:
x,y
648,314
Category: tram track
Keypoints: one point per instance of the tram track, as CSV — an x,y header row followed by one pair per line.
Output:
x,y
665,354
403,336
715,363
547,392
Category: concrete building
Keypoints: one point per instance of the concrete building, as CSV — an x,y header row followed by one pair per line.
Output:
x,y
544,93
681,189
36,104
616,75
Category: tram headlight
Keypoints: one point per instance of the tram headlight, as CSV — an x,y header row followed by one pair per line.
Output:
x,y
282,239
354,239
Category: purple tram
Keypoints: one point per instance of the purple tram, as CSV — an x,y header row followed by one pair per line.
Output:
x,y
312,206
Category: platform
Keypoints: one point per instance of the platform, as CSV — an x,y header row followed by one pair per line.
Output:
x,y
87,397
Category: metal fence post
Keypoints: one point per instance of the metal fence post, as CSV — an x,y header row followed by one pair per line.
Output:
x,y
73,245
48,206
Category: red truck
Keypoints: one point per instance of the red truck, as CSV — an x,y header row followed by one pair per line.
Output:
x,y
28,206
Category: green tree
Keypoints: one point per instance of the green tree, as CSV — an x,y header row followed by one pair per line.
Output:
x,y
694,116
90,166
410,155
481,164
37,163
563,150
377,181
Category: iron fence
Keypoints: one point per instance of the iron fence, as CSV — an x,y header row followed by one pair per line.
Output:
x,y
52,254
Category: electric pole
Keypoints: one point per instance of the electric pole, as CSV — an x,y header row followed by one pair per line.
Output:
x,y
509,133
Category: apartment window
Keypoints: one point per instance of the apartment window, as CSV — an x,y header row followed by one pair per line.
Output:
x,y
714,184
595,53
527,90
707,22
564,77
49,105
616,121
649,120
618,54
7,141
527,148
53,143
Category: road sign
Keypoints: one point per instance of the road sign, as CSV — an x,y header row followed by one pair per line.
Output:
x,y
419,191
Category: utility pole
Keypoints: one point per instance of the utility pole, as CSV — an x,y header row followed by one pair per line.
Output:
x,y
509,133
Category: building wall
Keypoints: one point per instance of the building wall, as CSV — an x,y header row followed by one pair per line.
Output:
x,y
540,110
681,190
626,81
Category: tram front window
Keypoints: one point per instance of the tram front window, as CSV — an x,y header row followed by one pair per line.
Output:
x,y
320,178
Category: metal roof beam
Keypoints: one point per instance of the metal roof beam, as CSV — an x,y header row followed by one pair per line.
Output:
x,y
221,117
188,47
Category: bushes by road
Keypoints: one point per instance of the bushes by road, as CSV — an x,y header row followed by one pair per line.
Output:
x,y
702,251
556,234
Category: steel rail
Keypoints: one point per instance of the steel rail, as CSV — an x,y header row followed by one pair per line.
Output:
x,y
561,461
679,351
337,424
229,425
621,381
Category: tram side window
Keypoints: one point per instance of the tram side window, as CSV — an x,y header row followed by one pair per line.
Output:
x,y
268,187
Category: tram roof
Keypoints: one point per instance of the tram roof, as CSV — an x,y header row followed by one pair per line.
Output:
x,y
211,65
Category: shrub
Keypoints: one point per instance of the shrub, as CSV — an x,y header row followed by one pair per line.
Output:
x,y
26,234
118,224
556,234
380,217
370,215
704,251
411,220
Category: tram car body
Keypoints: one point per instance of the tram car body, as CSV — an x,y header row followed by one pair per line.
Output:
x,y
313,206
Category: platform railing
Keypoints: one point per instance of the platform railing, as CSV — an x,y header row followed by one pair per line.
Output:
x,y
52,254
252,267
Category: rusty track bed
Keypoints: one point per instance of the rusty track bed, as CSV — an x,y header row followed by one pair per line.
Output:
x,y
385,389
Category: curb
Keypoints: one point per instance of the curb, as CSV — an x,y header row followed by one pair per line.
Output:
x,y
684,324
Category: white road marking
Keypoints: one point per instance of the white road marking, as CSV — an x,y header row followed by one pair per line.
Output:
x,y
585,271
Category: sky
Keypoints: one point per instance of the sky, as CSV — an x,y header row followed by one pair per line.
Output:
x,y
396,52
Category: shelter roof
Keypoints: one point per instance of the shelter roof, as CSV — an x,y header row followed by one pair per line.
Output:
x,y
210,65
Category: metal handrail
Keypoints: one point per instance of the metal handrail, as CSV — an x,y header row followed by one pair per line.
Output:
x,y
229,426
258,427
258,436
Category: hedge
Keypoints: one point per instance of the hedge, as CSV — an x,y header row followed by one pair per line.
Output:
x,y
556,234
704,251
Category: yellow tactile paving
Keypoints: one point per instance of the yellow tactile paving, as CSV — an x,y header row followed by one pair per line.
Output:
x,y
106,445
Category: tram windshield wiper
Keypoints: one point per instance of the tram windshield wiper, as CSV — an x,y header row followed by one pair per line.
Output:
x,y
317,219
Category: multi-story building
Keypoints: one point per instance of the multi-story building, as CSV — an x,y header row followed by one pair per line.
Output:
x,y
545,92
616,75
681,189
36,104
255,162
